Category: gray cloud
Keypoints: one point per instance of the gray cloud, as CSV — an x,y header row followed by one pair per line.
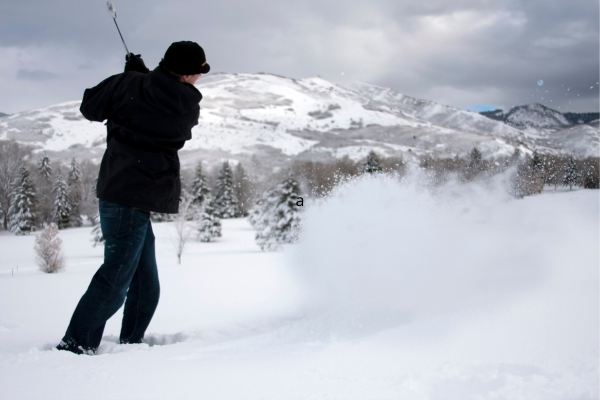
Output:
x,y
459,52
36,75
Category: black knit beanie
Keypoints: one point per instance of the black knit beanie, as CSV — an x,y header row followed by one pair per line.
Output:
x,y
185,58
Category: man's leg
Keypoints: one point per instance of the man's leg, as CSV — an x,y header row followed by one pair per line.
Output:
x,y
124,229
143,294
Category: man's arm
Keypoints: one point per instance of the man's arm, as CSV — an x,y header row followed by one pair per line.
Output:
x,y
97,104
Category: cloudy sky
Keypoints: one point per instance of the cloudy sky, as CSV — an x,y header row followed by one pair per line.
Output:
x,y
472,54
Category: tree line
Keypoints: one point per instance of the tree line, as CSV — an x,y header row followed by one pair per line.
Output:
x,y
35,191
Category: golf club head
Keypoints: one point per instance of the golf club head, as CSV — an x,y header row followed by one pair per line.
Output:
x,y
111,9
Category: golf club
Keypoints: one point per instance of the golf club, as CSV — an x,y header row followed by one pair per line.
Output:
x,y
113,13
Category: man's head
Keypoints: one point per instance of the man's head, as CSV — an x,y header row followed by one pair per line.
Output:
x,y
186,60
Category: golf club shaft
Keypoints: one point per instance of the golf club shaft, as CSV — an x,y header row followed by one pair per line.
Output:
x,y
126,49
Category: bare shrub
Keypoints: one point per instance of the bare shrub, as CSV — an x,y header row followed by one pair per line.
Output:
x,y
183,229
48,249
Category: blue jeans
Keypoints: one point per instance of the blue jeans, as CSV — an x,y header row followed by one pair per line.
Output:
x,y
129,271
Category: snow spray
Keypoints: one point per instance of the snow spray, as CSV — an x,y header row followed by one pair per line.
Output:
x,y
383,252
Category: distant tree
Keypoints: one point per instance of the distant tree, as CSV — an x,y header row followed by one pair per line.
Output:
x,y
22,208
48,250
475,157
515,157
276,217
45,169
44,188
591,178
209,225
61,210
12,157
97,237
181,225
199,188
199,191
226,202
475,165
524,181
572,177
75,194
242,188
89,177
372,165
537,162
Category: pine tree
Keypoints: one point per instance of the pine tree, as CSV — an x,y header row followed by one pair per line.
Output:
x,y
209,225
537,162
75,194
572,176
242,188
475,165
12,156
372,165
199,191
44,186
277,221
45,168
61,211
22,209
226,203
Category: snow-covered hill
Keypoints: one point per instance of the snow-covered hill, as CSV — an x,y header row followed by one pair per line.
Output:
x,y
539,116
271,119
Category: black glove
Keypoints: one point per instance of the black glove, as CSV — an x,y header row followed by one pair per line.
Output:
x,y
135,63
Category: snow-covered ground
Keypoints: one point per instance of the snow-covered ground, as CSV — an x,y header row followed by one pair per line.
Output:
x,y
393,293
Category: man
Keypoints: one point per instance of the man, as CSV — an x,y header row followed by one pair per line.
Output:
x,y
149,117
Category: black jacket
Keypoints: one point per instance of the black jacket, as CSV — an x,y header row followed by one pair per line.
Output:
x,y
150,116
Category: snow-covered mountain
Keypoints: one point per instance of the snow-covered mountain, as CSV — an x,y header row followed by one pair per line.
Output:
x,y
539,116
269,119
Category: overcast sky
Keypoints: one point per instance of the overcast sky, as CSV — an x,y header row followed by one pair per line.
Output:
x,y
472,54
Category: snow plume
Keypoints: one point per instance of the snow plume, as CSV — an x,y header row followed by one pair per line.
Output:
x,y
382,252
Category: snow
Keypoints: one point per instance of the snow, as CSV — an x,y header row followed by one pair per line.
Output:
x,y
395,291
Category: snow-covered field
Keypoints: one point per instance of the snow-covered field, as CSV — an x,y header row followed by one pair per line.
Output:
x,y
393,293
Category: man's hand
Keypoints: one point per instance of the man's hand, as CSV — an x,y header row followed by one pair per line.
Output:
x,y
135,63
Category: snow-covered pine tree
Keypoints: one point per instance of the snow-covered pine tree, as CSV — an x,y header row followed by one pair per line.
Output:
x,y
372,165
48,249
61,210
537,162
209,225
12,156
572,176
45,169
75,193
256,212
198,190
44,190
474,166
278,221
226,202
22,215
242,187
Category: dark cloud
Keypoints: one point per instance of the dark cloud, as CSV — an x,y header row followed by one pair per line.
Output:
x,y
459,52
